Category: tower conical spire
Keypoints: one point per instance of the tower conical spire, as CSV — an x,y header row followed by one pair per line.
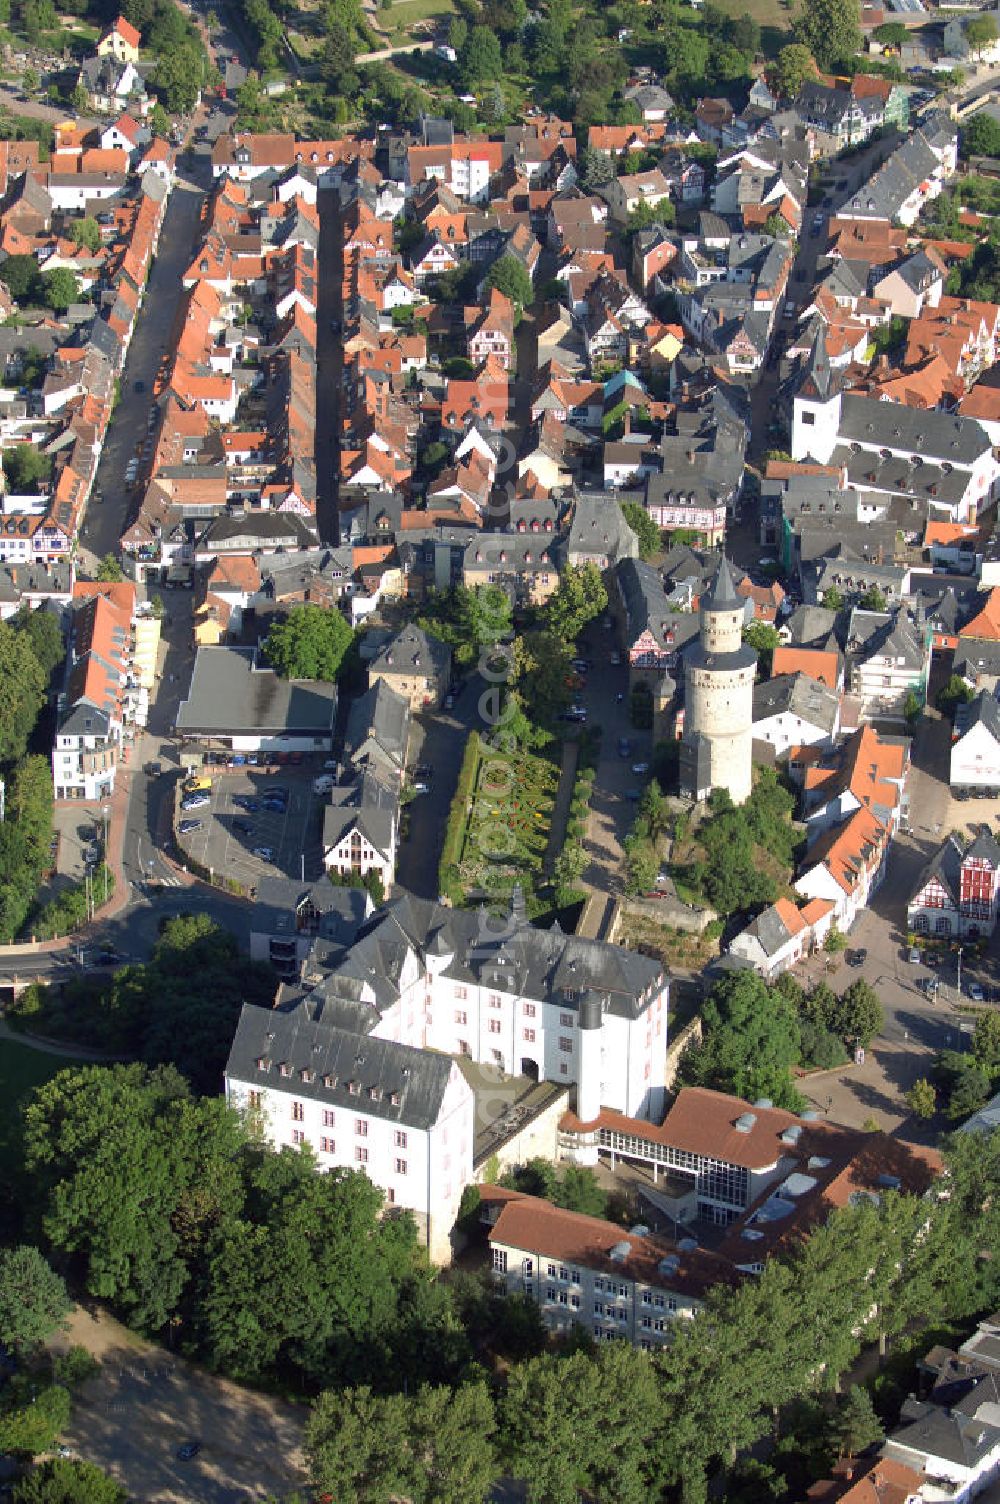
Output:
x,y
721,594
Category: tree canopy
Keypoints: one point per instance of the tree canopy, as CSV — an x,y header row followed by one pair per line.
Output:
x,y
793,67
509,276
61,1480
33,1299
831,29
750,1042
468,619
645,529
580,596
310,643
981,136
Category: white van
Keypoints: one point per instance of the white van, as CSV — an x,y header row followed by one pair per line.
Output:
x,y
323,784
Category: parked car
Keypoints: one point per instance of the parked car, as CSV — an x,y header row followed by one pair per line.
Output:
x,y
640,767
274,806
265,853
421,786
153,769
243,827
188,1450
856,957
187,827
913,955
247,802
975,992
275,791
195,801
449,701
624,747
323,784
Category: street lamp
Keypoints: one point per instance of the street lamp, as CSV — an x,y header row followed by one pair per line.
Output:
x,y
959,973
105,812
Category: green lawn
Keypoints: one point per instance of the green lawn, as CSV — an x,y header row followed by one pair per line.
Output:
x,y
770,13
405,12
21,1070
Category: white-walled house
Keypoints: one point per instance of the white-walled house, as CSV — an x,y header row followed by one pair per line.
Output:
x,y
402,1116
975,746
946,462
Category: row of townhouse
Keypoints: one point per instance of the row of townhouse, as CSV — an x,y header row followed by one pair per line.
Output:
x,y
204,488
84,355
103,704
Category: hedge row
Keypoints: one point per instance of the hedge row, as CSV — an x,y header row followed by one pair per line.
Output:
x,y
449,882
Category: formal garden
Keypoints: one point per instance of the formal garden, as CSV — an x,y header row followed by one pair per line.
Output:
x,y
498,829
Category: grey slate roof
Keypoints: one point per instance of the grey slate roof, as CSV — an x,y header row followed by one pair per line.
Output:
x,y
930,1431
382,717
799,695
396,1082
931,435
366,805
873,634
414,651
721,594
517,957
340,912
984,711
769,931
229,693
811,627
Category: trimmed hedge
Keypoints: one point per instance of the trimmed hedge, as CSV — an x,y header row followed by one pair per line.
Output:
x,y
449,883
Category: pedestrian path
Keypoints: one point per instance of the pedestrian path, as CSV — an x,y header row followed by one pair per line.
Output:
x,y
560,809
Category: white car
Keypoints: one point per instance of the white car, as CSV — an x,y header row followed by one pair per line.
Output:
x,y
976,993
323,784
265,853
640,767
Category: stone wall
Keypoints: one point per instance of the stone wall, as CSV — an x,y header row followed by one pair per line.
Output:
x,y
677,1046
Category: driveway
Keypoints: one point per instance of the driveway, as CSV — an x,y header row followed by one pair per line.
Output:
x,y
146,1402
439,742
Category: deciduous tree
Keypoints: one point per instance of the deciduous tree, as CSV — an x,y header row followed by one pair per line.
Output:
x,y
649,535
793,67
62,1480
33,1299
309,643
831,29
509,276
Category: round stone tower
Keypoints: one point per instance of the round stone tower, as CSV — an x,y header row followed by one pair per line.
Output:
x,y
719,670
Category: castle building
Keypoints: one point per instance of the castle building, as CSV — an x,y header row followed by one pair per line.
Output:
x,y
359,1063
719,671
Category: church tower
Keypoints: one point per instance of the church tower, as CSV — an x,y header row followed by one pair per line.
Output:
x,y
719,670
816,406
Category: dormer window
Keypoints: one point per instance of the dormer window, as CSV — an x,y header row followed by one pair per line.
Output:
x,y
354,1088
284,1068
263,1063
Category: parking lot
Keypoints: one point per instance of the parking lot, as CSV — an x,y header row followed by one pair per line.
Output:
x,y
256,823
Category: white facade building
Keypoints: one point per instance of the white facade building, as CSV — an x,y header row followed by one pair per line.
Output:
x,y
402,1116
434,983
975,747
